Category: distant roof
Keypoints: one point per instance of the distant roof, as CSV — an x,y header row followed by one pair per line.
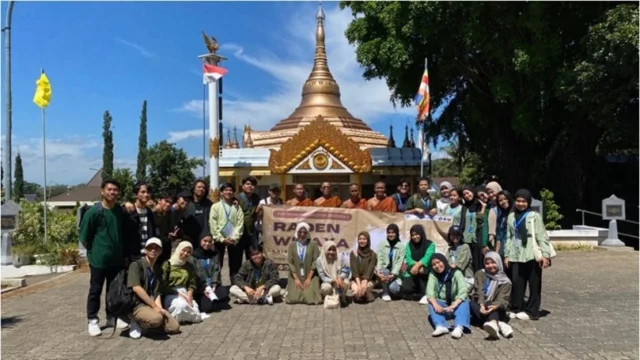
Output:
x,y
82,193
31,197
96,180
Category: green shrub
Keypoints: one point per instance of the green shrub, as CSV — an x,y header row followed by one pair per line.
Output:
x,y
551,210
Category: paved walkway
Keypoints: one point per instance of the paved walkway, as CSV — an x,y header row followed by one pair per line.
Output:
x,y
592,299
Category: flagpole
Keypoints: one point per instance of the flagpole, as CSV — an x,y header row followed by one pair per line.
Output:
x,y
204,133
44,152
421,136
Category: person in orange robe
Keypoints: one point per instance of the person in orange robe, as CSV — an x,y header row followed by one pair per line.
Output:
x,y
355,201
300,199
326,200
381,202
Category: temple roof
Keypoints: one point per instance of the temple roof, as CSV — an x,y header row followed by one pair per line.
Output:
x,y
320,97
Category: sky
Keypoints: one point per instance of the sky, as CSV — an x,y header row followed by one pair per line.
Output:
x,y
112,56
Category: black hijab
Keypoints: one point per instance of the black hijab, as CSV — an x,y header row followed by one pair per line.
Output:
x,y
395,229
526,195
200,253
446,277
472,206
418,249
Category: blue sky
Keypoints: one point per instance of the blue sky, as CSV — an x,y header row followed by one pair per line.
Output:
x,y
113,55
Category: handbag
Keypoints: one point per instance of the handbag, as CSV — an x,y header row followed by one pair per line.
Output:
x,y
537,252
332,301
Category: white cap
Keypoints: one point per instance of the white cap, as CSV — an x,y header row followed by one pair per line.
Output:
x,y
153,240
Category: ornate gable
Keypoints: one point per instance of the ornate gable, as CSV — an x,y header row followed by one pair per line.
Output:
x,y
319,134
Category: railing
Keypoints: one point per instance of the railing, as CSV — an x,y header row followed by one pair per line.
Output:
x,y
600,215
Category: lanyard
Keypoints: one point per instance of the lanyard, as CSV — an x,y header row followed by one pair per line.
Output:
x,y
391,255
246,200
150,279
227,213
401,206
486,286
441,284
302,249
517,224
426,202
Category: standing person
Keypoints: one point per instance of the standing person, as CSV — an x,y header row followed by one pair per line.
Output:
x,y
418,252
303,286
454,208
422,203
525,226
469,225
101,233
390,255
300,198
380,201
496,233
272,200
145,280
327,200
142,218
248,201
459,254
162,217
402,196
445,188
195,216
355,201
492,189
226,222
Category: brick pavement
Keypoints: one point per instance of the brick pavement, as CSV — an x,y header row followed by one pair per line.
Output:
x,y
592,298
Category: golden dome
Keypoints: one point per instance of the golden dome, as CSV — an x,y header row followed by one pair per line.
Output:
x,y
320,97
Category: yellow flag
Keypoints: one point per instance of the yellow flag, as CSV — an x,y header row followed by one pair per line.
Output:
x,y
43,91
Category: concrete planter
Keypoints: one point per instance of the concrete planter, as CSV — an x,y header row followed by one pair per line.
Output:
x,y
10,271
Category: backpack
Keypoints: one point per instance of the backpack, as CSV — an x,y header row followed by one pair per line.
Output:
x,y
120,299
83,210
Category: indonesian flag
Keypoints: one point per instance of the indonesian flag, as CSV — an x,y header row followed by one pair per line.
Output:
x,y
212,73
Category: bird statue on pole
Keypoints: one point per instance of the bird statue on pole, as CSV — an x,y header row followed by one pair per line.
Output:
x,y
212,44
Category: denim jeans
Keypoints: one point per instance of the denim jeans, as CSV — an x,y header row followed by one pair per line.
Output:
x,y
389,287
461,315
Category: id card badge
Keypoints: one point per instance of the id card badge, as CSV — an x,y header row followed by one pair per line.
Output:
x,y
301,272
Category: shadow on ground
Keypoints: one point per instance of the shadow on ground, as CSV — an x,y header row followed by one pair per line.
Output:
x,y
10,321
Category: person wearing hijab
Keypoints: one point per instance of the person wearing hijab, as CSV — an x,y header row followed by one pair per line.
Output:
x,y
447,295
257,280
210,294
179,277
418,252
441,204
333,270
303,286
363,264
496,233
471,222
459,254
490,297
390,255
523,227
492,189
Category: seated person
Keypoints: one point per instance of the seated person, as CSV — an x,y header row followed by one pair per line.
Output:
x,y
418,252
390,257
332,270
447,296
490,297
179,279
144,277
303,286
459,255
363,265
210,294
257,280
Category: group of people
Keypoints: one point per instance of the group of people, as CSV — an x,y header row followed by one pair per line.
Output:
x,y
174,253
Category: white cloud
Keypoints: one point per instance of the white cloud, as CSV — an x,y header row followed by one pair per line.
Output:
x,y
144,52
176,136
367,100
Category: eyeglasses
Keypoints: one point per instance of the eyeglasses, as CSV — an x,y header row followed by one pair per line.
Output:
x,y
404,186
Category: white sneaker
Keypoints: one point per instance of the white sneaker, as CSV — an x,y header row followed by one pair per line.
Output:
x,y
492,329
135,332
424,301
505,329
522,316
94,328
511,315
440,330
457,332
386,297
204,316
268,299
119,323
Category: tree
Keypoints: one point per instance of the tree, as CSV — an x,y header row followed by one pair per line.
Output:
x,y
170,168
141,171
107,152
530,89
31,188
18,184
124,176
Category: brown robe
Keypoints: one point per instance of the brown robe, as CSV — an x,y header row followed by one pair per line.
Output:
x,y
332,202
305,202
348,204
385,205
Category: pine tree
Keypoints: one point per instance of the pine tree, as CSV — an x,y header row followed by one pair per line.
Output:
x,y
107,152
141,171
18,184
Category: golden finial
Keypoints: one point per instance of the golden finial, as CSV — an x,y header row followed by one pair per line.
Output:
x,y
211,43
227,145
235,144
247,142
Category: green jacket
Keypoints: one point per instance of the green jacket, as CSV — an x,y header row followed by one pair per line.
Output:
x,y
408,259
179,276
102,232
458,288
206,275
415,202
462,259
521,252
502,296
137,276
383,251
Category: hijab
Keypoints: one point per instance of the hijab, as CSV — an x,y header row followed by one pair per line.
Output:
x,y
453,230
493,185
364,252
446,185
395,229
418,249
302,225
175,259
525,194
497,279
445,278
200,253
332,269
472,206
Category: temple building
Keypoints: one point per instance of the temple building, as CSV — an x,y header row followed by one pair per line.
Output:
x,y
320,141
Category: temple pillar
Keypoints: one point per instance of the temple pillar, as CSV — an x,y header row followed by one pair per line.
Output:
x,y
283,187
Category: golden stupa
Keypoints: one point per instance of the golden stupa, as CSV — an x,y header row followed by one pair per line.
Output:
x,y
320,97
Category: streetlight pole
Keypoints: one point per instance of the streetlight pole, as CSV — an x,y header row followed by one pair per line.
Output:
x,y
7,138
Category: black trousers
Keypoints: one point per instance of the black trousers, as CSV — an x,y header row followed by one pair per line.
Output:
x,y
235,257
497,315
523,274
207,306
477,257
96,282
415,285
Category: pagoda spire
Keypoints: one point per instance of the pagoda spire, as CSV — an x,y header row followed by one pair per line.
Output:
x,y
406,143
411,142
391,143
227,145
235,143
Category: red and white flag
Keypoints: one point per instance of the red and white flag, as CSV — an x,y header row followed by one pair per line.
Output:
x,y
212,73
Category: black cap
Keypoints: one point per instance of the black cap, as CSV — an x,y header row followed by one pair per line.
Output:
x,y
274,187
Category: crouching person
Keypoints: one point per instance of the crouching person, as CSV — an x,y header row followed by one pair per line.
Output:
x,y
210,294
257,280
145,279
332,270
179,278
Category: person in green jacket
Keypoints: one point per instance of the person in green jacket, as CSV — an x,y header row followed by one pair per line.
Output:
x,y
459,254
422,203
391,254
418,252
447,295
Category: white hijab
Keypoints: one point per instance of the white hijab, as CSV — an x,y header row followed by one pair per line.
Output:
x,y
332,269
305,226
175,259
